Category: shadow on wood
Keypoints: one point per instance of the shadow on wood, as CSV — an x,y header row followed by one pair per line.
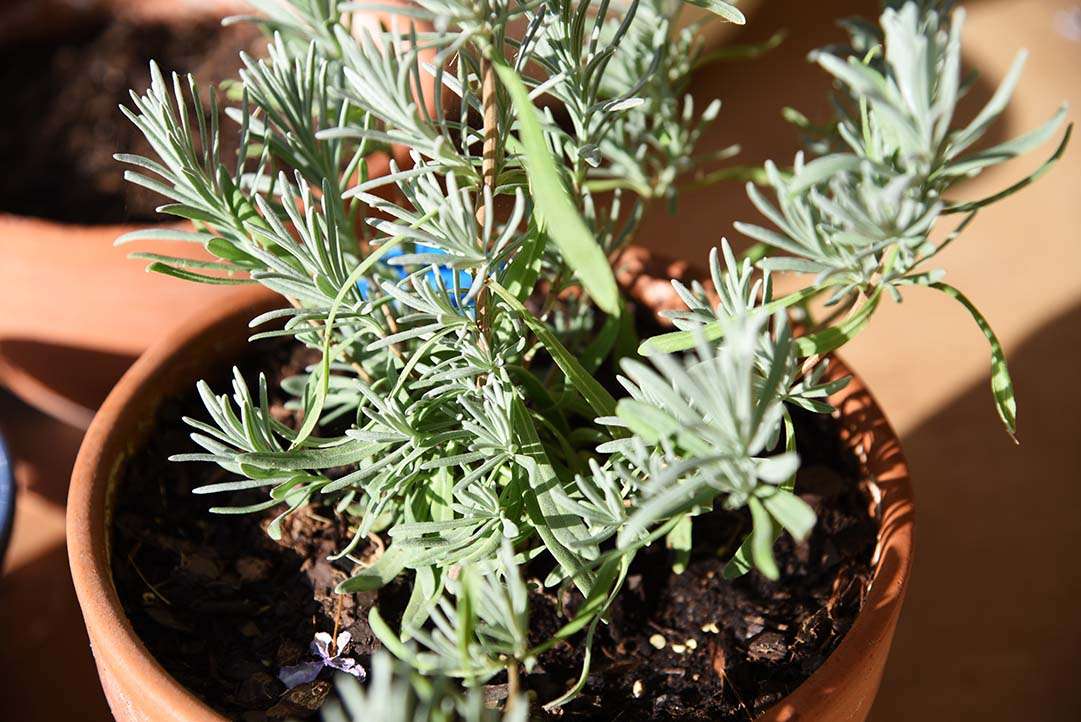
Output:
x,y
991,627
67,382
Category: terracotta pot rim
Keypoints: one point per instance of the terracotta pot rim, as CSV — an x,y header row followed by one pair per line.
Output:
x,y
87,529
88,536
867,431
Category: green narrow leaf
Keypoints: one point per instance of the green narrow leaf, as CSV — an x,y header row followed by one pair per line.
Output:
x,y
180,262
601,345
427,588
832,338
748,51
583,676
523,271
791,512
995,106
647,421
1009,149
725,10
389,639
609,581
1001,383
441,492
680,540
627,340
762,538
162,234
1027,181
467,619
350,452
561,534
595,395
313,411
821,169
605,587
740,563
382,572
187,212
185,275
556,212
227,250
654,425
676,341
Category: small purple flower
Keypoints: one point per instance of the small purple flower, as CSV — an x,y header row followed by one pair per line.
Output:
x,y
307,671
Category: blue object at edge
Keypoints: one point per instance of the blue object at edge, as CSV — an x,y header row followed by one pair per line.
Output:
x,y
7,498
446,273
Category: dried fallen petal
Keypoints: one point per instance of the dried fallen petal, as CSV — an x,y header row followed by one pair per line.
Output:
x,y
321,645
348,665
299,674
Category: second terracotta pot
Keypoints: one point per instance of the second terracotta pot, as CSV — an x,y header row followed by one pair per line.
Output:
x,y
70,293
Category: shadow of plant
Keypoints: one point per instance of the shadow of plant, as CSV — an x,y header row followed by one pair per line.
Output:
x,y
990,628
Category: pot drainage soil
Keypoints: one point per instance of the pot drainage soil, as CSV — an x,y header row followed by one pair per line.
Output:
x,y
223,607
63,125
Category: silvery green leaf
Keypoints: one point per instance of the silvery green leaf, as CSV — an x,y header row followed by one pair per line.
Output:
x,y
990,112
726,10
762,540
777,469
595,394
558,216
824,168
1001,383
1008,150
791,512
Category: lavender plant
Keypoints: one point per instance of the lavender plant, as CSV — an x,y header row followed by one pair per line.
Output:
x,y
461,318
397,694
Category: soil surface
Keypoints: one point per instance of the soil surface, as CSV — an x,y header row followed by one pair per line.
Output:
x,y
63,123
223,607
694,646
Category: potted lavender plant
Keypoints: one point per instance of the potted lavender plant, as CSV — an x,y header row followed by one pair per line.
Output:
x,y
456,439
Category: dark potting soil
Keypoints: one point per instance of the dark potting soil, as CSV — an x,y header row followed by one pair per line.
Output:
x,y
695,646
63,123
223,607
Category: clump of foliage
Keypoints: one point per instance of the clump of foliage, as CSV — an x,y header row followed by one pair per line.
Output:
x,y
464,303
398,694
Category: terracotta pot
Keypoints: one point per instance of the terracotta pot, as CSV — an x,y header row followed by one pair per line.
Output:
x,y
844,687
138,688
67,286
